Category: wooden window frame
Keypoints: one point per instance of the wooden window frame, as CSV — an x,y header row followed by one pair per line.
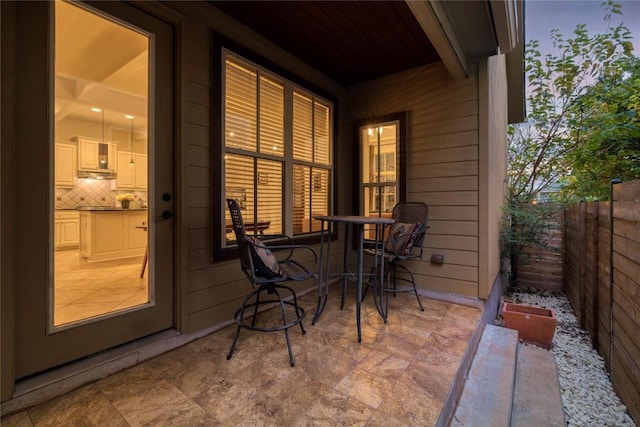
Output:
x,y
222,46
401,175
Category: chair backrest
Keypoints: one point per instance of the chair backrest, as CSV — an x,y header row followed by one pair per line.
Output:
x,y
413,213
241,236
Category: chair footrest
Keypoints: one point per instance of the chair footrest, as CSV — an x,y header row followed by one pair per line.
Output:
x,y
402,289
300,313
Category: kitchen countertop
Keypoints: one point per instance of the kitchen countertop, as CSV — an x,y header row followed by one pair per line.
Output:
x,y
105,208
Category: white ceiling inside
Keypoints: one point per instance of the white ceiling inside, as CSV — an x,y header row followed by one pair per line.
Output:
x,y
100,63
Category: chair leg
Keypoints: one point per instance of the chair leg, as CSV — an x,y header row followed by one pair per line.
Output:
x,y
284,322
255,308
415,291
239,319
273,290
298,311
235,341
392,271
413,283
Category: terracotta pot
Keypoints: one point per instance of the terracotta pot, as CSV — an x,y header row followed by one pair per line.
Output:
x,y
534,325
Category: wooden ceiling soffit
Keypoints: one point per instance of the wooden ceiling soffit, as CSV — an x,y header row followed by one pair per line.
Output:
x,y
436,25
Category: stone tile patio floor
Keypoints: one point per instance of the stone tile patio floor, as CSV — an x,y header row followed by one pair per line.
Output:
x,y
398,376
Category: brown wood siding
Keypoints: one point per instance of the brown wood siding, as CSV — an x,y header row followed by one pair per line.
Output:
x,y
214,289
492,160
442,163
442,166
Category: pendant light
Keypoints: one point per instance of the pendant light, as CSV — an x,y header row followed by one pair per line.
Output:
x,y
131,162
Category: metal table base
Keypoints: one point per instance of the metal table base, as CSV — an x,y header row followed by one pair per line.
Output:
x,y
323,283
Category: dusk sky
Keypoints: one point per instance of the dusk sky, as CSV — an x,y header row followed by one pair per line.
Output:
x,y
541,16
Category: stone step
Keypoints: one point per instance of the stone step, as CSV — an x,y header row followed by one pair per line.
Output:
x,y
537,399
487,396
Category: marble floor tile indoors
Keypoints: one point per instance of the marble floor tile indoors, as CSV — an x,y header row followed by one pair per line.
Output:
x,y
84,289
398,376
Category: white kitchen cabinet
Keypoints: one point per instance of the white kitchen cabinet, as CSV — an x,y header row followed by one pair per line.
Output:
x,y
66,164
96,155
67,229
132,176
112,234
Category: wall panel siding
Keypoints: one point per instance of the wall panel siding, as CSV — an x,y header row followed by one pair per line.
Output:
x,y
492,138
199,72
441,155
199,176
452,125
197,156
198,197
202,278
198,114
457,139
199,217
461,213
464,243
199,238
448,198
199,258
447,270
455,183
199,94
442,165
447,285
214,288
442,170
454,228
447,169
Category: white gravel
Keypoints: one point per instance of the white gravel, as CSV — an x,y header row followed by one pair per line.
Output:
x,y
588,396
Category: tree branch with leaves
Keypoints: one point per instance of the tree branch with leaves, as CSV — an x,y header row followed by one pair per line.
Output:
x,y
572,113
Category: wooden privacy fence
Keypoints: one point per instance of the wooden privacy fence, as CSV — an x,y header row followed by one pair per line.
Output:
x,y
602,282
541,267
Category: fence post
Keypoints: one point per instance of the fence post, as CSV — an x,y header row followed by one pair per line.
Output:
x,y
595,297
582,266
613,182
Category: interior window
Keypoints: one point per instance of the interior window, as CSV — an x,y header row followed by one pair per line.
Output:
x,y
266,161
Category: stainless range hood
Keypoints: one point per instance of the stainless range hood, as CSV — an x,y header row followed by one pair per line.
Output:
x,y
96,174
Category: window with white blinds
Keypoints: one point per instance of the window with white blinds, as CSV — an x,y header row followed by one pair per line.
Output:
x,y
382,165
379,147
280,175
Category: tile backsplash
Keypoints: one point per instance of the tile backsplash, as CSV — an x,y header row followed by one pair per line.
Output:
x,y
92,192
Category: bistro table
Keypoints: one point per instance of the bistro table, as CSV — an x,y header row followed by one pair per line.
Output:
x,y
360,222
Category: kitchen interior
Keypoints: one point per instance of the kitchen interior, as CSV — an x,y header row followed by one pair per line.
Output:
x,y
101,159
